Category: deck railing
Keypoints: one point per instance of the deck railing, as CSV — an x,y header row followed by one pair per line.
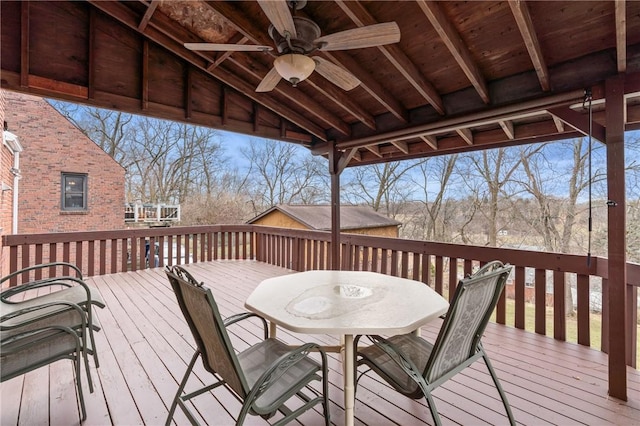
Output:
x,y
438,264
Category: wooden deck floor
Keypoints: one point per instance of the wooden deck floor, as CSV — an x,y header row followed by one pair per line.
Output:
x,y
145,345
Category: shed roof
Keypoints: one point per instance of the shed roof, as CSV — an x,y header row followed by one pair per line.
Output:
x,y
318,217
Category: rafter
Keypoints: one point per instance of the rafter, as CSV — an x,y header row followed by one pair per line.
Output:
x,y
374,149
466,135
525,25
621,35
401,145
222,56
559,124
376,90
148,14
580,122
456,46
507,126
361,17
430,140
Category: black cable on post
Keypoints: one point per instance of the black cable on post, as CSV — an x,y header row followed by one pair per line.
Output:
x,y
588,98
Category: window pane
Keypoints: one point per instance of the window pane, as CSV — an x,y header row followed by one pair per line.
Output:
x,y
74,201
74,196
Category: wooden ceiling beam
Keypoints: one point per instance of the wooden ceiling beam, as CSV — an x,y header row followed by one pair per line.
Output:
x,y
456,46
481,118
148,14
24,44
125,16
222,56
401,145
368,83
374,149
430,140
361,17
507,127
621,35
580,122
521,14
466,135
559,124
243,24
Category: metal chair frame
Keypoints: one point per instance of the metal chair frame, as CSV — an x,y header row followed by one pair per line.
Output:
x,y
74,291
35,348
282,362
444,359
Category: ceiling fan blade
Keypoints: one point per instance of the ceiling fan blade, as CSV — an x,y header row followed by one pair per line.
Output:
x,y
215,47
338,76
357,38
280,16
269,82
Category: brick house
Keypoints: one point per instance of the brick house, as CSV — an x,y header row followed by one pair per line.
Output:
x,y
68,183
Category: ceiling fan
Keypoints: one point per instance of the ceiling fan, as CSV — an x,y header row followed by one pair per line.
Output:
x,y
296,38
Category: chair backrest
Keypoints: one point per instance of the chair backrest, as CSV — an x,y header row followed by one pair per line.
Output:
x,y
203,317
469,312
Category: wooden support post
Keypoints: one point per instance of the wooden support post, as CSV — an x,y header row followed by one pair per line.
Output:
x,y
334,171
614,92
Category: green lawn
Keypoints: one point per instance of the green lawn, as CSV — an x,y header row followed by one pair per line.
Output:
x,y
572,325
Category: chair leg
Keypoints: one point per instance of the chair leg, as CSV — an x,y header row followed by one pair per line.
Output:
x,y
432,408
503,395
183,383
325,389
76,364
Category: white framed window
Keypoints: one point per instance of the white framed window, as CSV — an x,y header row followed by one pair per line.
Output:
x,y
74,191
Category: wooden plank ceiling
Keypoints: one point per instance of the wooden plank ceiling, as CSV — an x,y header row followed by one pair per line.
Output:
x,y
463,76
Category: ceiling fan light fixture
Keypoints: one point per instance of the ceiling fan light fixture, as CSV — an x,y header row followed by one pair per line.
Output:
x,y
294,67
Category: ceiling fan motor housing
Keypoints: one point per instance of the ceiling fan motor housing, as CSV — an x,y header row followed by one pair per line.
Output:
x,y
307,32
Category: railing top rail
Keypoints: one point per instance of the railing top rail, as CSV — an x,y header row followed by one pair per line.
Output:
x,y
541,260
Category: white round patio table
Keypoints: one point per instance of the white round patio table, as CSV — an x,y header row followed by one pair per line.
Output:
x,y
346,303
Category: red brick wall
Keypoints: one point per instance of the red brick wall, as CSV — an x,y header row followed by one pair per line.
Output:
x,y
52,145
6,162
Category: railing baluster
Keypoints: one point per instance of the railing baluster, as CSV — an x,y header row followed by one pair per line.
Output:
x,y
519,284
583,309
559,306
540,283
439,274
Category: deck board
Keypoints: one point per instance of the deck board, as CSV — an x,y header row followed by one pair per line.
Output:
x,y
145,345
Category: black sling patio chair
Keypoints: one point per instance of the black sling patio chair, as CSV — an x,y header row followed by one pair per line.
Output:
x,y
63,288
415,367
264,377
24,348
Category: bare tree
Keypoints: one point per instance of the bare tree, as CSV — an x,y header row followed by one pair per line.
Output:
x,y
279,173
487,175
556,186
385,187
433,177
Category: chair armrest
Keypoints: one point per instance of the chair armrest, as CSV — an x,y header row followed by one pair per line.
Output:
x,y
42,266
245,315
6,295
30,334
32,318
399,358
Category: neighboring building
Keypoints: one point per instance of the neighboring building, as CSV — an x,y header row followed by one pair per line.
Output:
x,y
67,182
353,219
